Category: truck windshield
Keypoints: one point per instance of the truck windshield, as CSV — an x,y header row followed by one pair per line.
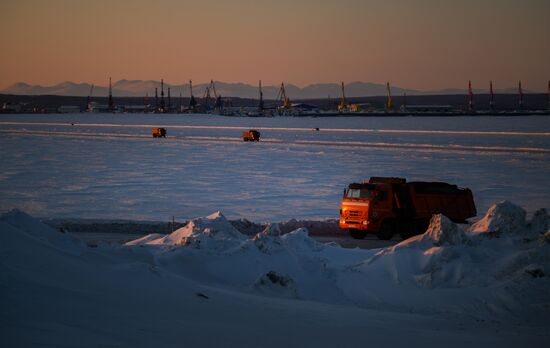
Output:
x,y
359,193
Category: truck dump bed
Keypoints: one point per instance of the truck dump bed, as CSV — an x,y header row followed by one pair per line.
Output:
x,y
442,198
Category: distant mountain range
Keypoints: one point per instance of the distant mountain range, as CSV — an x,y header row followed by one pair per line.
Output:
x,y
139,88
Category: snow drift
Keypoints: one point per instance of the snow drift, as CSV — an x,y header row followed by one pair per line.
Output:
x,y
497,269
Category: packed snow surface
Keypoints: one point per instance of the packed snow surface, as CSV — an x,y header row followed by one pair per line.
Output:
x,y
109,166
208,285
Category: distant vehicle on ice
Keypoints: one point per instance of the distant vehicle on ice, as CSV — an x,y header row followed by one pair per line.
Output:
x,y
159,132
387,206
251,135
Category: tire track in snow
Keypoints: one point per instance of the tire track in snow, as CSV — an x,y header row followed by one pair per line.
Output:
x,y
292,129
284,142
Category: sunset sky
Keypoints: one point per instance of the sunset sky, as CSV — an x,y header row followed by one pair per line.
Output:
x,y
426,44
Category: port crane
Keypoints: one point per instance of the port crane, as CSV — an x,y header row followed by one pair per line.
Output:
x,y
162,107
206,97
389,101
261,103
89,101
281,97
111,101
343,106
192,101
218,101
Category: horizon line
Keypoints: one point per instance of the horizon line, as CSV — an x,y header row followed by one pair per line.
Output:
x,y
276,85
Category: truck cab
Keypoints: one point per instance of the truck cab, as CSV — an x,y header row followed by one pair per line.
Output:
x,y
251,135
364,207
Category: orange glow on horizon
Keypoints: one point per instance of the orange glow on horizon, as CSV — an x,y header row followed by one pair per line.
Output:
x,y
424,45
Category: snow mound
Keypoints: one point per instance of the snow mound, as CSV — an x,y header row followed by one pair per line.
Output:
x,y
272,229
299,240
211,232
275,284
270,241
540,223
440,271
501,218
442,230
146,239
41,232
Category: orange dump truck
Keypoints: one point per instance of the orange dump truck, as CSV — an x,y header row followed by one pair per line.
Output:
x,y
158,132
387,206
251,135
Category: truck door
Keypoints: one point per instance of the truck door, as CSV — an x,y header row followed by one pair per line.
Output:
x,y
402,203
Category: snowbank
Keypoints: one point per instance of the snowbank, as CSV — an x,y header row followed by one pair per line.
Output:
x,y
496,267
211,232
447,272
503,217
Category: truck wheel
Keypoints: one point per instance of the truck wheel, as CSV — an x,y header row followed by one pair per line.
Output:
x,y
386,231
357,234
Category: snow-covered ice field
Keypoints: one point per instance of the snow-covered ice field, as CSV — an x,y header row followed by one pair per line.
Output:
x,y
109,167
208,285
